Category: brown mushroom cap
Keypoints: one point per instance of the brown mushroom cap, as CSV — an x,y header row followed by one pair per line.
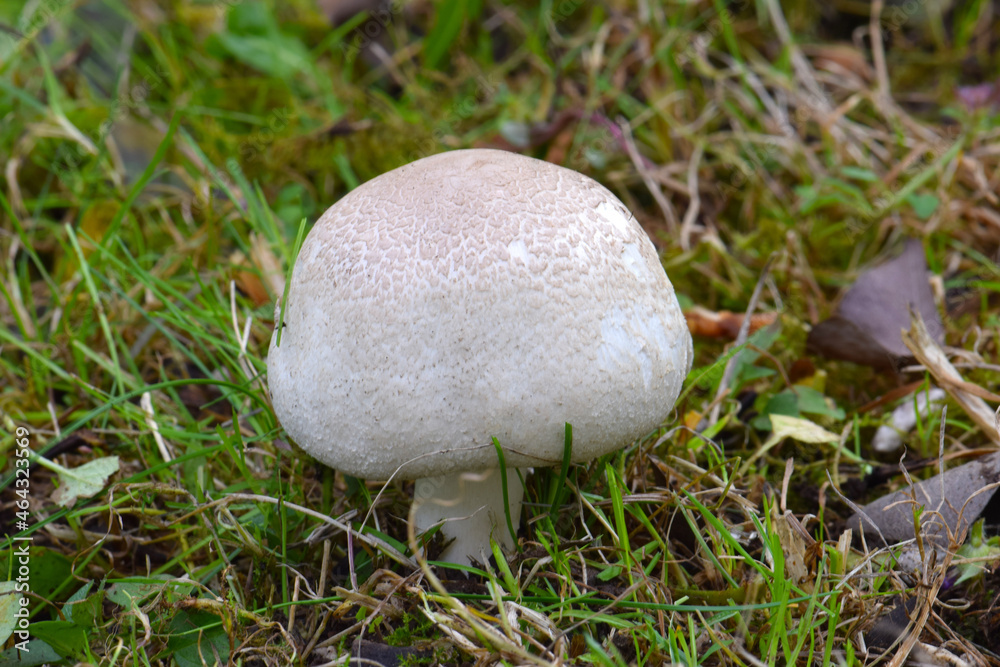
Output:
x,y
473,294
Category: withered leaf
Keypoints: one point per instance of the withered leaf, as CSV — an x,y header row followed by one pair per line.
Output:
x,y
339,11
952,501
83,481
724,323
365,652
866,327
890,626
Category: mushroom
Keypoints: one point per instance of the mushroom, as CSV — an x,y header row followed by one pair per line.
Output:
x,y
465,296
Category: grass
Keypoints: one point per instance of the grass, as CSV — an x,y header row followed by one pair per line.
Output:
x,y
161,164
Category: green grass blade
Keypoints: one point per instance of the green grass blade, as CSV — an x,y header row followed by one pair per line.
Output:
x,y
503,483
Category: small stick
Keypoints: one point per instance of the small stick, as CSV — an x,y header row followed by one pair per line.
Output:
x,y
727,374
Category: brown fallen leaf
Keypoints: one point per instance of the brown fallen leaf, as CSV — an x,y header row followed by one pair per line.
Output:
x,y
890,627
841,58
339,11
866,327
724,323
839,338
260,276
891,396
250,284
801,369
894,627
952,501
792,538
267,263
377,654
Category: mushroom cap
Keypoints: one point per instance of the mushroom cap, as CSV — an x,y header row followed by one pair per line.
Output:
x,y
473,294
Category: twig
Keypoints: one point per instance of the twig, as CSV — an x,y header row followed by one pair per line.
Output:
x,y
255,498
694,207
741,338
878,50
647,178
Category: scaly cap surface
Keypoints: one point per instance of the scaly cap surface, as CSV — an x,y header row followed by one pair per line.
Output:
x,y
472,294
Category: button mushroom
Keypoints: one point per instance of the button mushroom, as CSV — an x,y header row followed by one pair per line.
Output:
x,y
465,296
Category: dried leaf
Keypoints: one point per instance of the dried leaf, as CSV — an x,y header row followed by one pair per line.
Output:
x,y
793,547
799,429
866,328
838,338
267,263
373,654
86,480
9,604
890,626
840,58
259,276
724,323
952,501
796,428
339,11
250,284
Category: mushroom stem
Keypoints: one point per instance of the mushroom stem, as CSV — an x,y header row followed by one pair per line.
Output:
x,y
471,505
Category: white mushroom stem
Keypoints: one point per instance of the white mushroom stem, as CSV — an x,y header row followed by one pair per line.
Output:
x,y
471,505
